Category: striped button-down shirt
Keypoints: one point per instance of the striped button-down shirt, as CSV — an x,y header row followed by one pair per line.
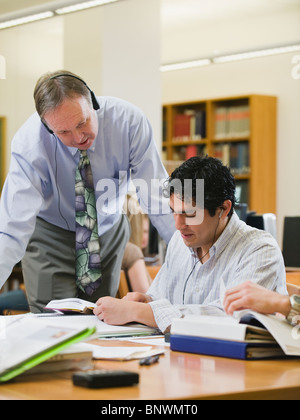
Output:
x,y
186,286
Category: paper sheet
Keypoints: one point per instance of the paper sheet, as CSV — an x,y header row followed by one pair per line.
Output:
x,y
119,353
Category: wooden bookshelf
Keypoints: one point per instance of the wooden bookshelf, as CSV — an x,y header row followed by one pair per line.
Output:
x,y
240,131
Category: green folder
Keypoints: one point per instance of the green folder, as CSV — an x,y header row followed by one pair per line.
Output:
x,y
45,355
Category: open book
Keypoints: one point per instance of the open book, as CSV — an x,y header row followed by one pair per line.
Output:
x,y
71,306
25,342
84,311
251,336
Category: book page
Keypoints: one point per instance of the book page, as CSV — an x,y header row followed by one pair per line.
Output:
x,y
119,352
285,335
70,303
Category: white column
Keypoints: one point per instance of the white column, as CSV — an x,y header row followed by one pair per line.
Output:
x,y
116,48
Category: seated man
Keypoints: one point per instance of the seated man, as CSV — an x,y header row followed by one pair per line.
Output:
x,y
201,253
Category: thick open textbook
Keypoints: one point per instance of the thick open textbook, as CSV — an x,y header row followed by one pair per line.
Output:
x,y
26,341
251,336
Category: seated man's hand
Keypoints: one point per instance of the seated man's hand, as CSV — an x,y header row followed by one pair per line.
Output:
x,y
112,311
252,296
137,297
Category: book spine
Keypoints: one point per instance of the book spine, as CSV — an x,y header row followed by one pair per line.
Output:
x,y
208,346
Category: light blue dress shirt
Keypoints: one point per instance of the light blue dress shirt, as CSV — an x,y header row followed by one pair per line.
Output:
x,y
41,178
186,286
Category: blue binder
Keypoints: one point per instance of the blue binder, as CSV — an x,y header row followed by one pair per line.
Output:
x,y
223,348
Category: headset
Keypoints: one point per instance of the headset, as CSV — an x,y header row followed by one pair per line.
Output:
x,y
95,103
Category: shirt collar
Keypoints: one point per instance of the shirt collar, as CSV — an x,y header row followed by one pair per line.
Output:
x,y
224,238
74,150
227,234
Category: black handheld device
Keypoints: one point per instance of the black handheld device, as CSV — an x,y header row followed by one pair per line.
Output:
x,y
105,378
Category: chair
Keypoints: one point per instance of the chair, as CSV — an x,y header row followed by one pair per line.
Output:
x,y
7,312
291,241
123,286
153,270
293,277
15,311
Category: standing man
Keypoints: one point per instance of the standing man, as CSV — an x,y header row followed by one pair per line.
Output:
x,y
62,200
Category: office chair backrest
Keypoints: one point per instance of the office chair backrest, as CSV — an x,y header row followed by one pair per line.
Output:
x,y
265,222
291,241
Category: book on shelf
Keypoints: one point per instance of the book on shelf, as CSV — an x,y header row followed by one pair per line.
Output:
x,y
252,336
235,156
189,126
191,151
232,121
183,153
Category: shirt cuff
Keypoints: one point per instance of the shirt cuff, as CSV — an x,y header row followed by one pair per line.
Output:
x,y
164,313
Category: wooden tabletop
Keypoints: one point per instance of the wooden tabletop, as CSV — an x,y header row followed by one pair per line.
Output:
x,y
177,376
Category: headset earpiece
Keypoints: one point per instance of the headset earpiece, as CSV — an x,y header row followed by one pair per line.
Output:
x,y
221,213
47,128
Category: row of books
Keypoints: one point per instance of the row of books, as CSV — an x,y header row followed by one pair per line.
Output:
x,y
232,121
189,126
234,155
186,152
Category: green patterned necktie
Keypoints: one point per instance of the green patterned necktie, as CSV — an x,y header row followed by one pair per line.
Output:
x,y
88,267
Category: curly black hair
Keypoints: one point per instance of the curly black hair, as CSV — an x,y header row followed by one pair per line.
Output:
x,y
219,183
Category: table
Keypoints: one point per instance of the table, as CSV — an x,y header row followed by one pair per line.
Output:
x,y
177,376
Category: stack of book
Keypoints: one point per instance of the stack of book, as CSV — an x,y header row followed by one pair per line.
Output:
x,y
40,342
253,336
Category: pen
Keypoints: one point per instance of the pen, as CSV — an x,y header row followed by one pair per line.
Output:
x,y
147,361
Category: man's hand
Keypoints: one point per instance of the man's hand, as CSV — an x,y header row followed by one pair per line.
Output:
x,y
113,311
122,311
137,297
251,296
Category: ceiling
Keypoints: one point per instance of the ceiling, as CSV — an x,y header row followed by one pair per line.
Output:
x,y
176,13
183,12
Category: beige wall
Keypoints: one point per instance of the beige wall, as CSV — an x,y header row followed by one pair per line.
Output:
x,y
30,51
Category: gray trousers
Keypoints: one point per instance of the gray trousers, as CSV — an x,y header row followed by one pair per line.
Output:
x,y
49,263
